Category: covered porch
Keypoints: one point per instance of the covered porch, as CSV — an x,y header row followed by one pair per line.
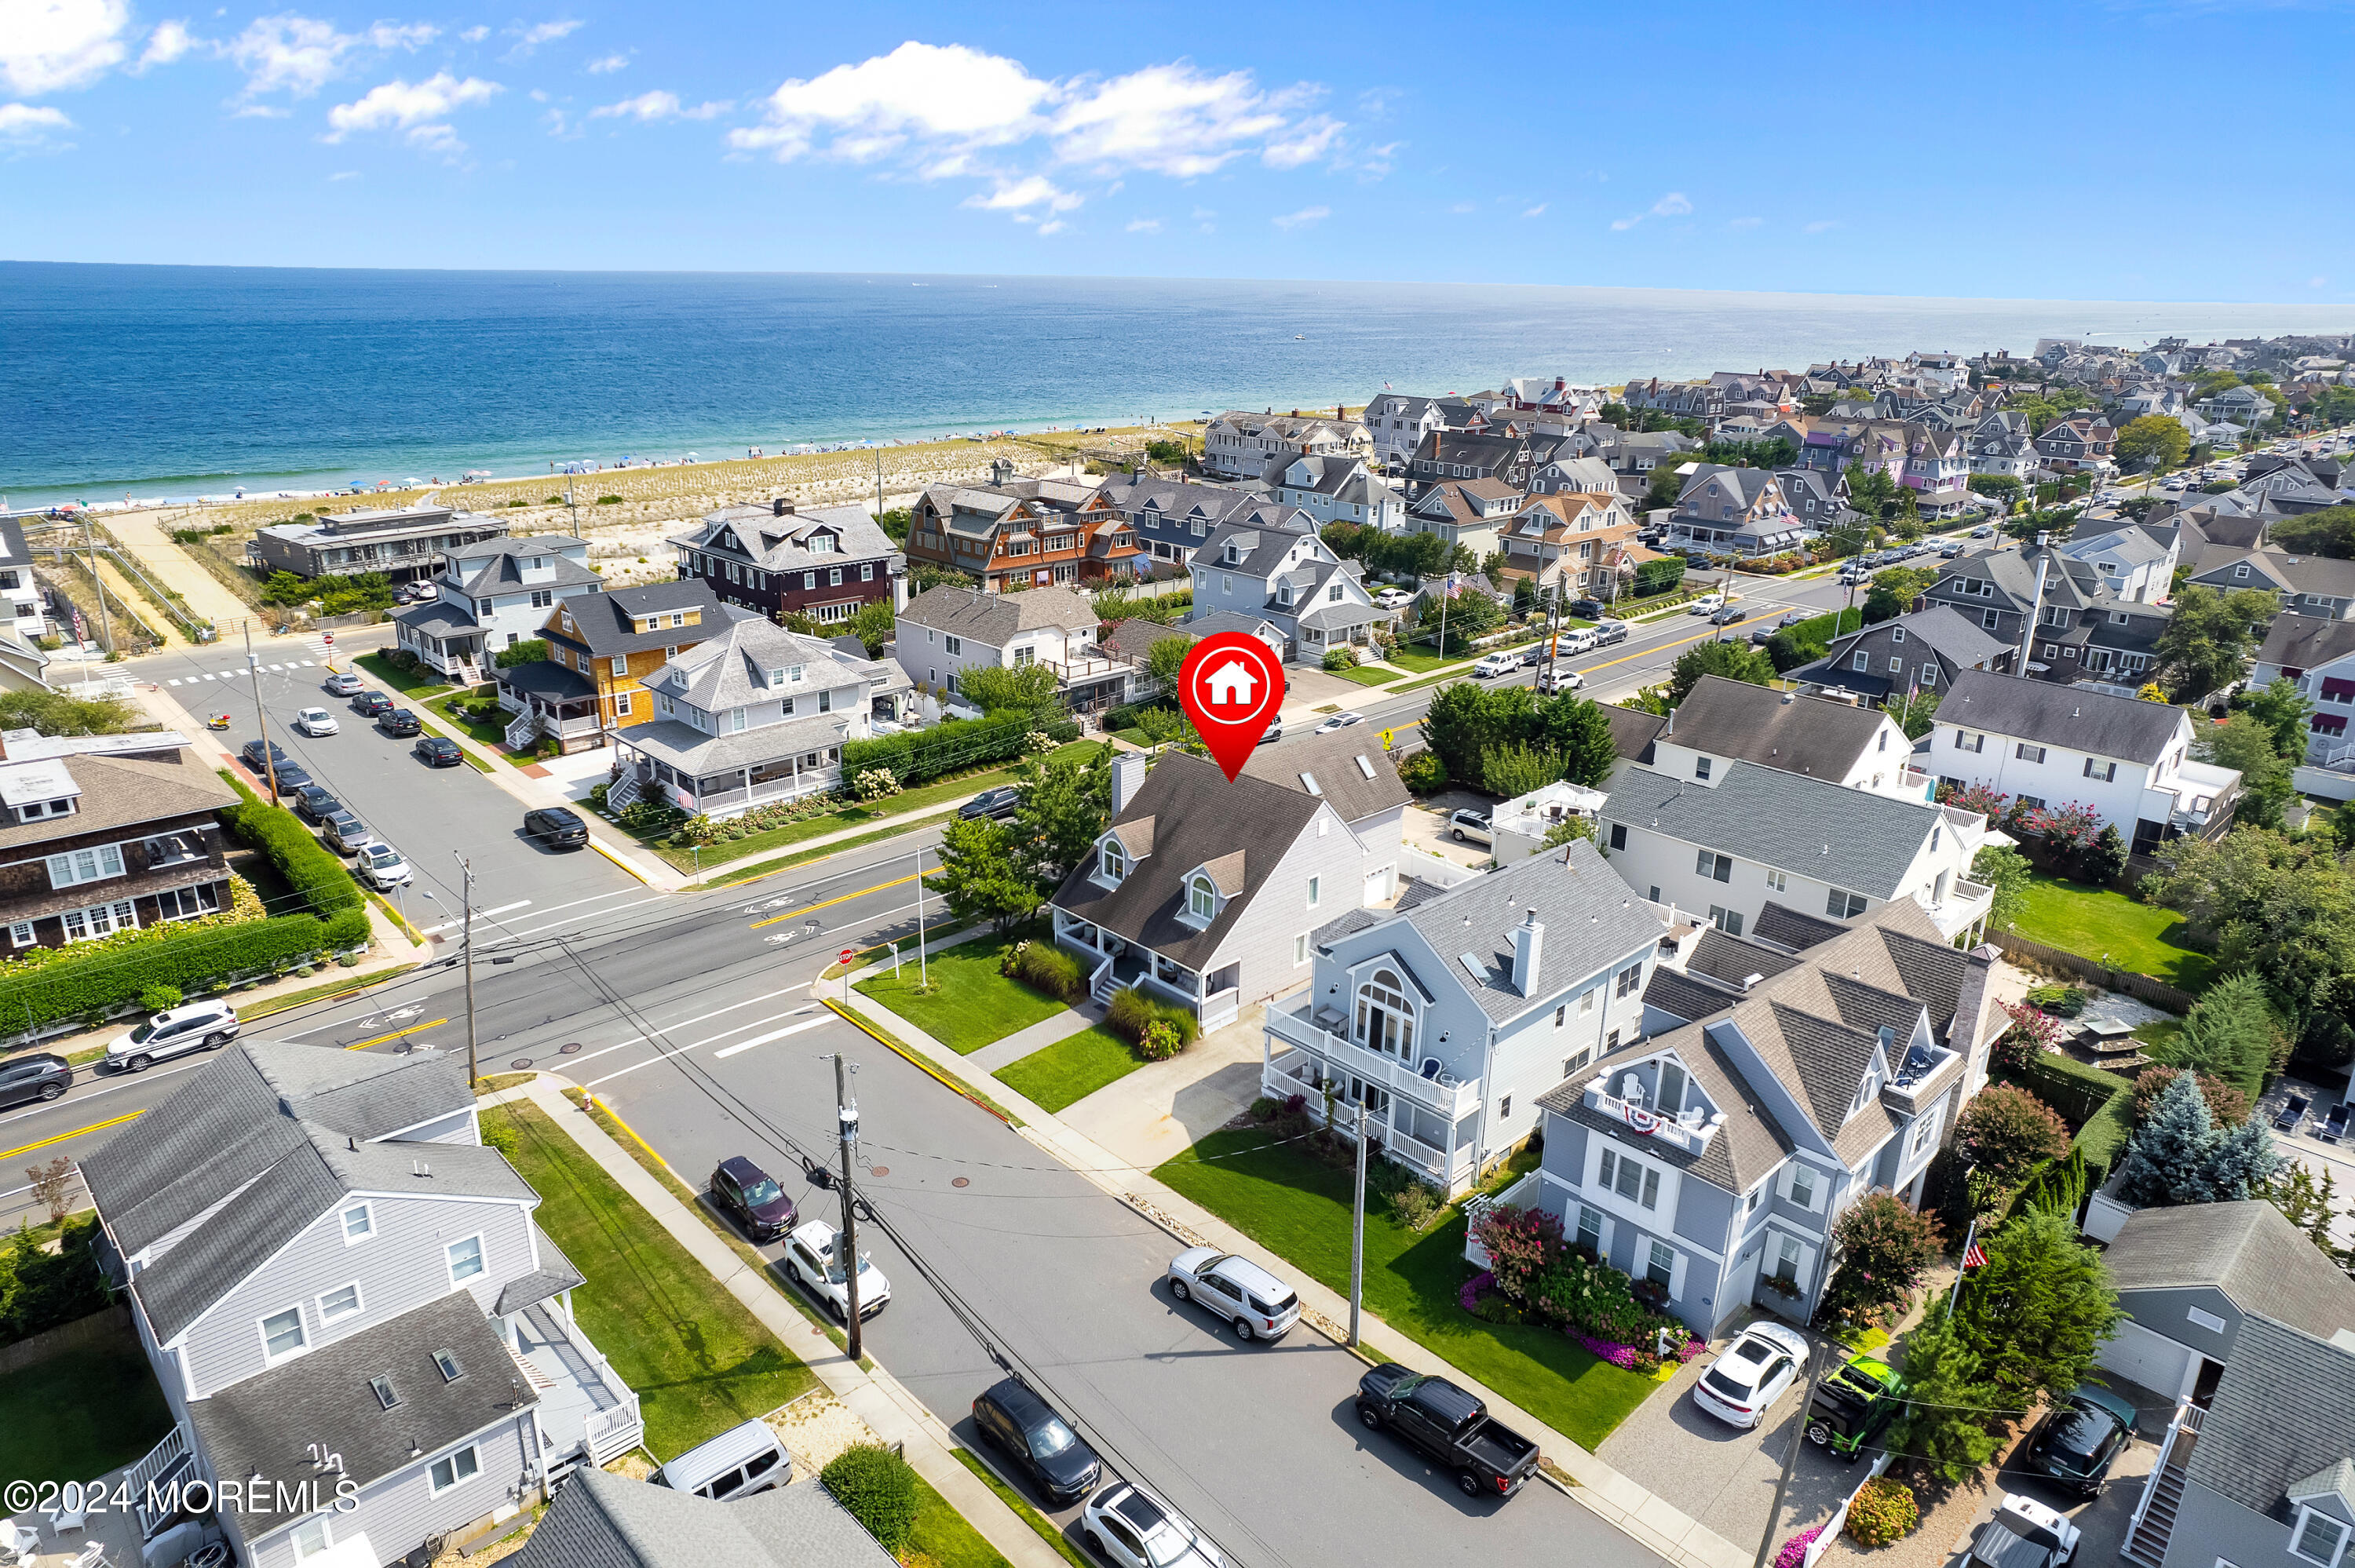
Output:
x,y
682,767
1114,961
445,637
1427,1119
547,699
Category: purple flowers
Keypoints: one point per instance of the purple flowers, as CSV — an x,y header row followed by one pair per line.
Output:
x,y
1794,1551
1476,1287
1624,1356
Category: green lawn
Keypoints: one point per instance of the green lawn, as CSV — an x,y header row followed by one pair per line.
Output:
x,y
2111,928
424,682
1369,677
80,1414
1071,1069
853,813
1300,1209
1423,660
942,1538
700,1361
970,1004
1038,1523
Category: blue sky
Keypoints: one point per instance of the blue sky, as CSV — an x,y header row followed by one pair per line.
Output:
x,y
2128,151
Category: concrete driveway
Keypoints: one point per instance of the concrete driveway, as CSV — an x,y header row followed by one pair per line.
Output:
x,y
1424,827
1721,1476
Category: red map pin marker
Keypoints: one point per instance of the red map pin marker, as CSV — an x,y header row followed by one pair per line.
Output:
x,y
1231,686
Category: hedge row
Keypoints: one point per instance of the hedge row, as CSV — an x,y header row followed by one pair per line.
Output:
x,y
308,867
950,746
2100,1103
106,983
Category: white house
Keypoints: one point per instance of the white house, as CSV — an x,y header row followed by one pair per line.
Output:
x,y
493,594
2051,745
1336,489
1239,445
1721,721
945,631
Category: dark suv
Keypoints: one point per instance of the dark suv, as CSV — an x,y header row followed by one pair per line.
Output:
x,y
558,827
375,704
997,802
752,1197
1041,1444
439,751
312,803
41,1077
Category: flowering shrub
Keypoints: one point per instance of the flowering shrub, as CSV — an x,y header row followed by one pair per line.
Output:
x,y
1596,1304
1161,1041
1794,1551
1992,804
1038,740
2032,1032
876,783
1517,1242
1884,1510
2068,829
1476,1287
709,831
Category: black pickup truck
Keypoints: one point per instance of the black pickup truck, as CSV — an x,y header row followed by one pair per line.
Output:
x,y
1489,1459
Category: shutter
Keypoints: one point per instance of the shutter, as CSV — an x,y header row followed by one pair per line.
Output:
x,y
1651,1188
1677,1276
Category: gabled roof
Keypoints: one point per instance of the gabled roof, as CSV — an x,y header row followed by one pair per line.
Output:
x,y
994,619
504,573
1850,838
2247,1250
1815,735
2284,1410
729,668
2071,716
604,1520
1351,769
2307,641
1945,630
1633,731
117,792
606,623
1262,540
782,543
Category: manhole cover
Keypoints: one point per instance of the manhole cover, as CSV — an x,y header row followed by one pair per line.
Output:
x,y
568,1048
960,1182
879,1170
520,1063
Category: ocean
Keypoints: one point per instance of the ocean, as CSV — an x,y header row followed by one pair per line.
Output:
x,y
177,381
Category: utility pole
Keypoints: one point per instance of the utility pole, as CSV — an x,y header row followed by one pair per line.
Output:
x,y
466,947
845,1246
1790,1455
1357,1234
253,675
923,969
90,554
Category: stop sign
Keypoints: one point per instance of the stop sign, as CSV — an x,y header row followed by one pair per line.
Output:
x,y
846,954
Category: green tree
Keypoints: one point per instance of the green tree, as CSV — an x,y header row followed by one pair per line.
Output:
x,y
2210,382
980,878
2309,1203
2155,442
1733,661
2006,1132
2282,708
2281,907
2245,743
1513,771
1869,490
1467,617
1894,590
996,689
880,1490
1577,727
1060,808
2178,1156
2230,1034
1568,829
2330,532
2207,640
1886,1249
1946,1425
1524,597
531,651
1669,480
54,712
1166,657
1916,712
2035,1312
2103,859
873,626
2007,871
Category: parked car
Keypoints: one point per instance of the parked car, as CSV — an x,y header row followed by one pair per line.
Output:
x,y
253,752
2024,1534
375,704
400,722
1696,559
343,684
439,751
198,1026
346,833
558,827
1853,1405
810,1258
1129,1527
742,1462
1560,678
1340,721
997,802
1494,665
1729,615
314,805
1755,1371
1950,549
2080,1438
1275,731
38,1078
1533,654
316,721
751,1196
383,867
1984,531
1587,608
1450,1425
1024,1427
1610,631
1258,1303
1707,604
292,777
1393,599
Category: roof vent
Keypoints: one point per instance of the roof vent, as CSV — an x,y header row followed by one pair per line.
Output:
x,y
1750,980
419,1169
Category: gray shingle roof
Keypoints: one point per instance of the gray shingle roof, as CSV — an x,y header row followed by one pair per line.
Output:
x,y
781,543
1798,735
1746,1147
436,617
2053,714
1787,928
1850,838
1591,922
1349,766
265,1423
121,791
690,750
1633,731
504,573
607,622
2307,641
2247,1250
601,1521
2284,1410
1962,642
729,668
554,1275
995,619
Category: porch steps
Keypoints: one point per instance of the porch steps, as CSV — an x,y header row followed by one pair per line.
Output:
x,y
2147,1542
522,730
622,794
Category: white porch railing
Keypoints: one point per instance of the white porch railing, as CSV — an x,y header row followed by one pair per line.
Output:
x,y
1686,1132
1450,1101
610,1434
160,1458
523,729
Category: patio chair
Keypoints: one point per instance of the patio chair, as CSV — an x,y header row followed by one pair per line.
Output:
x,y
74,1515
2292,1113
18,1540
2334,1126
90,1556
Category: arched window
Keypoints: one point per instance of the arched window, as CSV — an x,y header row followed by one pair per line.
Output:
x,y
1385,1021
1204,899
1115,864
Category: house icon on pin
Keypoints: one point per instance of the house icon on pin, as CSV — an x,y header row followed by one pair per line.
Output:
x,y
1232,682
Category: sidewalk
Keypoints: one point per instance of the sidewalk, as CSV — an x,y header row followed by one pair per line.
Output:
x,y
875,1396
1650,1520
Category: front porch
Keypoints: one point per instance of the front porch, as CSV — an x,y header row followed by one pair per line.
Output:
x,y
585,1411
1427,1119
730,792
1114,961
550,701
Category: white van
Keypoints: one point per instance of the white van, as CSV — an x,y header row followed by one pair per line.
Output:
x,y
740,1462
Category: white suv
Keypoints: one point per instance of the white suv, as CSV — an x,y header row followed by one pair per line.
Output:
x,y
810,1258
198,1026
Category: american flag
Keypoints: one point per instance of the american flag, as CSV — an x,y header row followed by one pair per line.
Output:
x,y
1974,1257
1386,386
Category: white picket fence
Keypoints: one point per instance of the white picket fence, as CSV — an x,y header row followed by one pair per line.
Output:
x,y
1830,1532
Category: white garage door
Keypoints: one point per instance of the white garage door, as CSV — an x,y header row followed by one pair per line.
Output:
x,y
2157,1363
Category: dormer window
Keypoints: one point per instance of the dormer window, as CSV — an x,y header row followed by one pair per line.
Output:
x,y
2319,1538
1202,900
1113,863
36,810
820,544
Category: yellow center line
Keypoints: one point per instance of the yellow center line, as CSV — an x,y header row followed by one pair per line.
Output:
x,y
412,1028
94,1126
796,914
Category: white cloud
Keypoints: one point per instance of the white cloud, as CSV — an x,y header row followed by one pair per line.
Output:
x,y
1537,211
417,110
1464,207
1305,216
610,64
300,54
476,33
2317,282
648,107
1746,222
1822,224
942,94
1305,143
167,43
529,38
25,124
1143,226
1176,121
1052,226
47,45
1673,205
341,174
1019,196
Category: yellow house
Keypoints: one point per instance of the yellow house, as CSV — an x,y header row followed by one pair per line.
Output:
x,y
600,648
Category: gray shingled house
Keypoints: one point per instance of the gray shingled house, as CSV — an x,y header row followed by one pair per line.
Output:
x,y
602,1520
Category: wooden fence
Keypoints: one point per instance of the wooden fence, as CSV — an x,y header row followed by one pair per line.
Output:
x,y
2155,992
98,1326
